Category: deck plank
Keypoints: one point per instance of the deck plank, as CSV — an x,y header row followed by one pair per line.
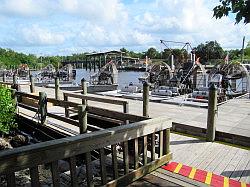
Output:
x,y
233,164
226,160
246,174
240,168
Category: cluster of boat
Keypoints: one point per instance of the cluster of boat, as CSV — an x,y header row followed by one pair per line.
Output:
x,y
191,80
104,80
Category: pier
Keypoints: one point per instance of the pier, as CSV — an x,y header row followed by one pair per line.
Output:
x,y
216,158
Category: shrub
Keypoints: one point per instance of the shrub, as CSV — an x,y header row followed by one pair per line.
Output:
x,y
7,111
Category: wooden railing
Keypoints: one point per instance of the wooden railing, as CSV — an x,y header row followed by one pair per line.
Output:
x,y
42,110
86,98
138,137
82,110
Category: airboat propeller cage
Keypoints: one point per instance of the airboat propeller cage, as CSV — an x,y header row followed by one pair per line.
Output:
x,y
108,74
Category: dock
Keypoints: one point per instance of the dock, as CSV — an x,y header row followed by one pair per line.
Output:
x,y
227,161
232,117
221,159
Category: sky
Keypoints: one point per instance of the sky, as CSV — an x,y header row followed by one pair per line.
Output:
x,y
63,27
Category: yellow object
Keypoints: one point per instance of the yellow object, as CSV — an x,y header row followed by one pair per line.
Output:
x,y
192,173
208,178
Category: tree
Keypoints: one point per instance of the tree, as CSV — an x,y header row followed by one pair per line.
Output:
x,y
125,51
151,53
247,51
209,51
240,7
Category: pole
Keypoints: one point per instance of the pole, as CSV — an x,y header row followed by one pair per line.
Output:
x,y
14,97
212,110
15,85
57,88
145,99
242,50
32,87
65,98
42,106
166,141
14,79
4,77
84,90
82,116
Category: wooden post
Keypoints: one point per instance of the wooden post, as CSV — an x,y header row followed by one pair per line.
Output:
x,y
14,79
14,97
15,85
84,90
125,107
57,88
4,76
212,110
145,99
82,116
94,64
100,61
42,106
125,110
65,98
86,63
32,87
166,141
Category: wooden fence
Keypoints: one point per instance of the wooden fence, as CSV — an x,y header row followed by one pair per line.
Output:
x,y
82,110
86,98
138,139
68,148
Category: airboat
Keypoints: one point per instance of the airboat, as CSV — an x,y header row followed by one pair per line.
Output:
x,y
104,80
231,79
46,77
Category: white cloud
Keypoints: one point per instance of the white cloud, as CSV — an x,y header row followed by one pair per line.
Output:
x,y
36,35
68,25
107,11
142,38
189,21
24,7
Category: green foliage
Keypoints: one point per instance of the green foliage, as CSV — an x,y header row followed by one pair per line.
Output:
x,y
240,7
7,112
247,51
12,59
152,53
209,51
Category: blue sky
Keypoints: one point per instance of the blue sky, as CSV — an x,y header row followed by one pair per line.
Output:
x,y
50,27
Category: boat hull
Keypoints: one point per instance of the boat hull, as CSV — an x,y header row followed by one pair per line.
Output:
x,y
91,88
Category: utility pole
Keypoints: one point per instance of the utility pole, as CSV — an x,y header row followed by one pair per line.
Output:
x,y
242,50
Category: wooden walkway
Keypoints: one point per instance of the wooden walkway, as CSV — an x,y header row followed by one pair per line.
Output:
x,y
221,159
233,117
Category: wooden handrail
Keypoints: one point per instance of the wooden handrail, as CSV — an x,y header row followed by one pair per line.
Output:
x,y
11,83
115,114
23,94
50,152
62,103
28,156
97,99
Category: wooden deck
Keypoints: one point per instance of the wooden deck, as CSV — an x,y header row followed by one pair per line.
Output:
x,y
215,157
221,159
233,117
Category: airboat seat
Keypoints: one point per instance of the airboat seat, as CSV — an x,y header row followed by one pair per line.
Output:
x,y
162,92
130,89
173,89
